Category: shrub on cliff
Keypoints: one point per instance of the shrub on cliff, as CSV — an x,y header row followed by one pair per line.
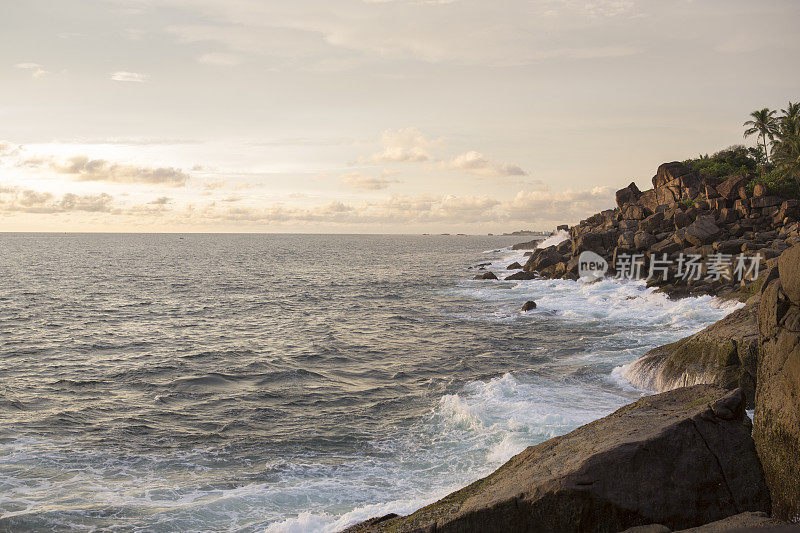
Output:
x,y
732,160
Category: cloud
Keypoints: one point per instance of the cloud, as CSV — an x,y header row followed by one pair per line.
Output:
x,y
133,77
8,148
405,145
391,210
85,169
220,59
565,205
477,165
16,200
368,183
35,68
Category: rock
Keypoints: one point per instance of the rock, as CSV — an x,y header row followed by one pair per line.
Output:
x,y
733,246
675,171
650,528
626,240
366,524
739,523
543,258
487,275
562,227
643,240
667,246
597,242
530,245
759,190
682,220
634,212
729,189
789,268
628,195
521,276
702,231
724,354
514,266
666,459
777,414
653,224
744,194
629,225
565,247
761,202
527,306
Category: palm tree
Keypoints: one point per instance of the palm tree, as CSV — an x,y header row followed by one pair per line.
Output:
x,y
763,124
792,112
786,146
787,158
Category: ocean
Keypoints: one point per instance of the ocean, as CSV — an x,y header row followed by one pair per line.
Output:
x,y
286,383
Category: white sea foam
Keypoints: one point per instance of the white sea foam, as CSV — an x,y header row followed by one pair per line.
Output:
x,y
555,239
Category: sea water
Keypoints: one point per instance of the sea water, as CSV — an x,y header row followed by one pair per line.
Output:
x,y
291,382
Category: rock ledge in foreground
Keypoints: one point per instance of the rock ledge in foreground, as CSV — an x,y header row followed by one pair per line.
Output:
x,y
682,458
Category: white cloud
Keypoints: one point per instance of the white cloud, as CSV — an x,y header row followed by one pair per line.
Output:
x,y
16,200
477,165
405,145
85,169
369,183
568,205
133,77
35,69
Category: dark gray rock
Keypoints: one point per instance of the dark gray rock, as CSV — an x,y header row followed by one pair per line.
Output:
x,y
789,268
724,354
487,275
522,275
514,266
628,195
669,459
702,231
543,258
777,414
740,523
529,305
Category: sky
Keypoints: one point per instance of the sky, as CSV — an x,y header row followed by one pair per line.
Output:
x,y
368,116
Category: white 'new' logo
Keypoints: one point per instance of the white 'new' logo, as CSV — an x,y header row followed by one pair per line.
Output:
x,y
591,265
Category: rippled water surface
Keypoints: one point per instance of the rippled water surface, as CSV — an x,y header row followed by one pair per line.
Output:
x,y
289,382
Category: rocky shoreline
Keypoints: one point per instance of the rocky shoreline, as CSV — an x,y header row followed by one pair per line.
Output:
x,y
689,456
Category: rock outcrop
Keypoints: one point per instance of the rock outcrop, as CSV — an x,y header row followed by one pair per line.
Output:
x,y
777,414
681,458
684,213
723,354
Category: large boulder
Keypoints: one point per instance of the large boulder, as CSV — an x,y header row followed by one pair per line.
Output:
x,y
543,258
702,231
628,195
789,269
530,245
777,414
724,354
682,459
729,189
676,174
522,275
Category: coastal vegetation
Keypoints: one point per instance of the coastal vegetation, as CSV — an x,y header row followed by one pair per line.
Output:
x,y
773,162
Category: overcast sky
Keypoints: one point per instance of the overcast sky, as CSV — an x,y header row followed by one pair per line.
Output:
x,y
368,115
